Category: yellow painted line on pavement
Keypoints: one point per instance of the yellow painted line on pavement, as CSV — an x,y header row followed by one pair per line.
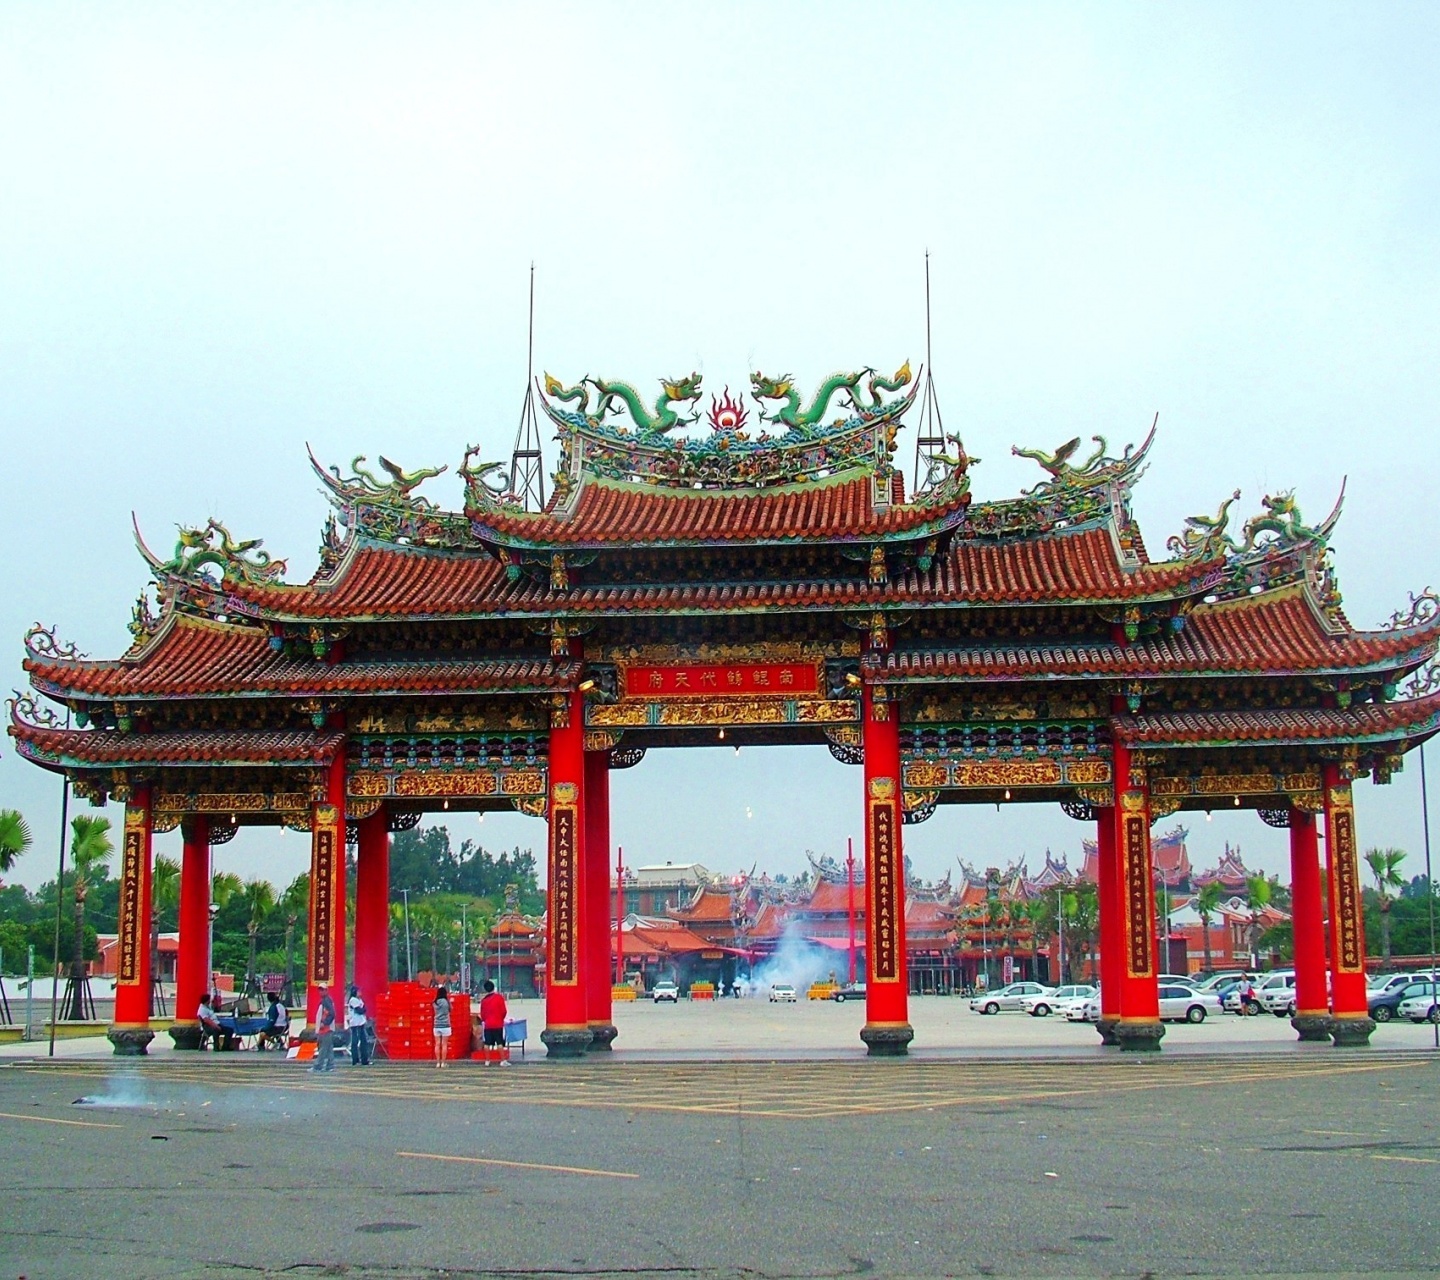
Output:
x,y
517,1164
78,1124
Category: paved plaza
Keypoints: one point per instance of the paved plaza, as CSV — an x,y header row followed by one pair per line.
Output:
x,y
1026,1151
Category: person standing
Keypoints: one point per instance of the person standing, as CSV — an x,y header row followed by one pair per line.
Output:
x,y
492,1020
442,1025
325,1033
357,1023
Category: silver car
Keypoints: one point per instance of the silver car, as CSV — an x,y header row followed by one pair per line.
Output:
x,y
1008,998
1184,1004
1042,1006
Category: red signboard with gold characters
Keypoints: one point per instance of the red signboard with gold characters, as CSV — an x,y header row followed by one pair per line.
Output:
x,y
132,894
1139,904
324,868
882,878
715,679
564,874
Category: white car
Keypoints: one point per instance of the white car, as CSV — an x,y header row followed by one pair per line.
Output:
x,y
1087,1010
1008,997
1277,994
782,991
1043,1006
1220,979
665,990
1421,1008
1184,1004
1178,980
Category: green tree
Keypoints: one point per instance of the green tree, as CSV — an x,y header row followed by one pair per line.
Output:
x,y
295,903
15,837
90,850
1384,865
164,900
259,898
1207,902
1257,898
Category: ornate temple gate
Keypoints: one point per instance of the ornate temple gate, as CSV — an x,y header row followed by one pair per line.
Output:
x,y
750,589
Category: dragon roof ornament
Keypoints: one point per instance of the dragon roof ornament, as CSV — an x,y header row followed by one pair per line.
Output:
x,y
609,432
41,644
211,546
386,510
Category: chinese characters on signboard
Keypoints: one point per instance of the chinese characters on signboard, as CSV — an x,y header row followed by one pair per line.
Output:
x,y
322,903
884,887
563,880
1137,894
1347,891
132,889
708,680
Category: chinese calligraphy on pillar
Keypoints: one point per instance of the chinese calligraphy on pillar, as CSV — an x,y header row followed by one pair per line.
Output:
x,y
564,880
132,896
882,881
324,867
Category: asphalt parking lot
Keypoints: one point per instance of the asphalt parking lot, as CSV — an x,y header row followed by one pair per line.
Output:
x,y
1259,1159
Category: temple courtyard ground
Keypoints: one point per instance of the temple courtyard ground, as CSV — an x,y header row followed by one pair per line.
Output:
x,y
1026,1152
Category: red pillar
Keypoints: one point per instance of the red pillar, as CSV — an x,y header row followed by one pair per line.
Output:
x,y
130,1033
372,907
1312,1013
1112,933
600,1014
887,1028
192,964
1351,1023
567,1019
1139,1027
327,892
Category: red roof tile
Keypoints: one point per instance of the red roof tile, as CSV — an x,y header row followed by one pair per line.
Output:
x,y
711,905
1270,634
1371,720
634,514
109,747
195,657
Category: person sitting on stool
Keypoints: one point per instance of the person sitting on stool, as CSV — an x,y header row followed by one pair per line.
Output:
x,y
209,1028
277,1024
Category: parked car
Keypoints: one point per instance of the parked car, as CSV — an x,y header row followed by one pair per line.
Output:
x,y
1008,998
1178,980
1387,1005
1422,1004
1380,983
1042,1006
1217,980
1089,1010
1277,994
665,990
782,991
850,991
1179,1003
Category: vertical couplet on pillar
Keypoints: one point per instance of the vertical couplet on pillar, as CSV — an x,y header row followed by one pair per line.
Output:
x,y
1139,1026
192,962
596,876
130,1033
1351,1022
372,907
567,1025
327,892
1312,1013
1112,933
887,1027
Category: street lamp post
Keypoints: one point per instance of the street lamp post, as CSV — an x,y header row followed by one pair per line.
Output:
x,y
1429,878
1060,920
464,953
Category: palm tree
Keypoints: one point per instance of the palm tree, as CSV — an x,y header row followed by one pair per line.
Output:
x,y
90,849
1207,906
164,896
259,896
1257,898
15,837
1384,865
295,902
223,887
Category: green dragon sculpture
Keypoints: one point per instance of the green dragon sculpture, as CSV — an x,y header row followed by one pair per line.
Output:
x,y
657,422
1282,518
877,384
490,475
1204,537
557,390
213,545
397,489
790,413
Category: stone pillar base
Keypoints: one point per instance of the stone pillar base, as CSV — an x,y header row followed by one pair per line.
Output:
x,y
1347,1032
566,1042
1312,1026
185,1035
887,1040
1106,1028
130,1042
1139,1037
602,1034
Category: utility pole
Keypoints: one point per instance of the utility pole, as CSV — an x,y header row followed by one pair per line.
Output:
x,y
1060,919
59,899
850,898
464,953
1429,881
619,915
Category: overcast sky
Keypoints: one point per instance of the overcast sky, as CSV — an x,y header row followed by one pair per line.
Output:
x,y
225,232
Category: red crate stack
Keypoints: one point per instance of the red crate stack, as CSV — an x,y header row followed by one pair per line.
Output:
x,y
405,1022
